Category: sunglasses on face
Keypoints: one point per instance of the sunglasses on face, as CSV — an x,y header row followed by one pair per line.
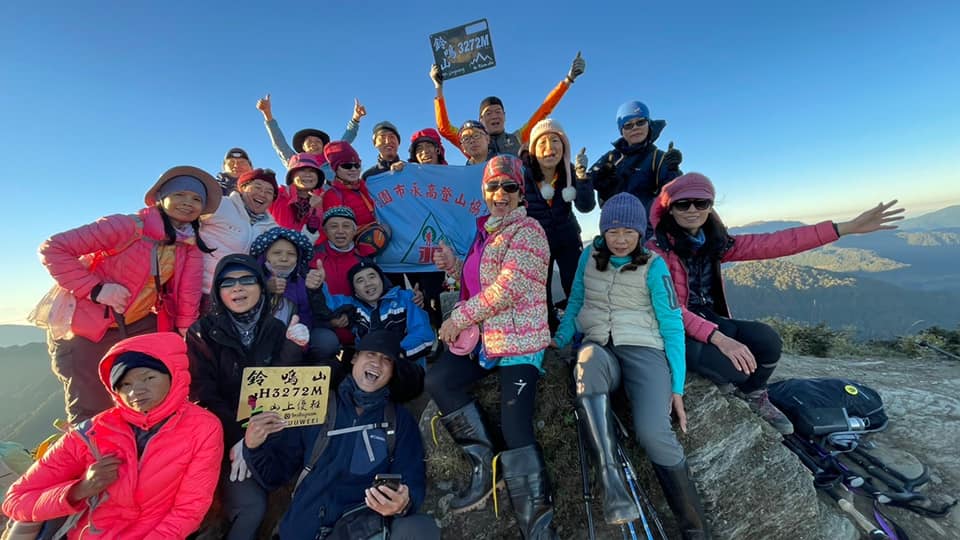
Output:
x,y
242,280
508,187
635,124
684,204
350,165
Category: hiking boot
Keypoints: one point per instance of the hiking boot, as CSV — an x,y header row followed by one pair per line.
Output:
x,y
683,499
597,429
529,487
468,430
759,402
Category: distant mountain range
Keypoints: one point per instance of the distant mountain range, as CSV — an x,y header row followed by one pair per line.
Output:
x,y
19,334
879,283
32,395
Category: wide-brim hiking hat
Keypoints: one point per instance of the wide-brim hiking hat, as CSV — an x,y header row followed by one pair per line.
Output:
x,y
214,191
302,135
304,160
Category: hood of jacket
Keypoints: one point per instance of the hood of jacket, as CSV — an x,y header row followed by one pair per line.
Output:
x,y
170,349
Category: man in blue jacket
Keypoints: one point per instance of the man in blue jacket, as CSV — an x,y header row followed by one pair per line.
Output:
x,y
335,496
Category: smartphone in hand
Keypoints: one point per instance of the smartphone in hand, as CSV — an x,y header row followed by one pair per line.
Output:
x,y
392,481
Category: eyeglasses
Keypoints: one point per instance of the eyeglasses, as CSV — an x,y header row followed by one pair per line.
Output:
x,y
242,280
508,187
350,165
684,204
635,124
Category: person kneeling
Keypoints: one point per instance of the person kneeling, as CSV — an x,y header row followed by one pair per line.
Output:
x,y
335,496
624,304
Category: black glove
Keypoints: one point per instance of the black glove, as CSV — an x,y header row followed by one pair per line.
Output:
x,y
671,160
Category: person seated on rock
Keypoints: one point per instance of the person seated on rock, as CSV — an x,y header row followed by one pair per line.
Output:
x,y
241,332
623,302
145,468
494,118
309,140
378,305
635,164
235,163
335,493
694,242
284,256
503,292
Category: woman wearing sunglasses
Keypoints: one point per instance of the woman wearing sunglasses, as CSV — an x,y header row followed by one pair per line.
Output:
x,y
503,292
348,188
694,241
240,332
635,164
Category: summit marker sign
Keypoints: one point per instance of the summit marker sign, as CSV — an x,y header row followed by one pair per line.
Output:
x,y
463,50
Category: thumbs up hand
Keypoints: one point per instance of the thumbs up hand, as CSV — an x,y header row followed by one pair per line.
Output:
x,y
315,277
298,332
417,295
577,68
445,258
264,106
580,164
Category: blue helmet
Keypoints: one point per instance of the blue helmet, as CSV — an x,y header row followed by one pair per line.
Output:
x,y
631,109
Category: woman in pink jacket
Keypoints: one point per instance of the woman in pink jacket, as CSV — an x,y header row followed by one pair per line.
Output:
x,y
693,240
130,275
145,468
504,305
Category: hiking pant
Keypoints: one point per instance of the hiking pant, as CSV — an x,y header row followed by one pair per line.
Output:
x,y
415,527
451,377
567,257
431,284
763,341
646,377
76,362
244,504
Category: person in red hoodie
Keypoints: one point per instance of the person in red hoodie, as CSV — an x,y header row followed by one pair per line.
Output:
x,y
130,275
691,238
146,468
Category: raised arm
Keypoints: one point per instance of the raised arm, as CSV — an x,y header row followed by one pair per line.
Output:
x,y
280,145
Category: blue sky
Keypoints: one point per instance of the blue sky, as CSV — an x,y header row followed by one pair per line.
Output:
x,y
796,110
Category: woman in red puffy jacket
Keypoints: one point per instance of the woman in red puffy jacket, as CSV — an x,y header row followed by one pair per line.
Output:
x,y
146,468
130,275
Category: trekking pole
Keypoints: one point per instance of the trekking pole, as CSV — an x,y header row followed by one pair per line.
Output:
x,y
634,489
585,475
908,483
642,499
933,347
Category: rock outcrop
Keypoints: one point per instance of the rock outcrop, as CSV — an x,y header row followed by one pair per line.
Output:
x,y
753,487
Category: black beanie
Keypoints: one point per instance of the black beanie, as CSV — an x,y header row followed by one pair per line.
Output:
x,y
133,359
488,101
363,265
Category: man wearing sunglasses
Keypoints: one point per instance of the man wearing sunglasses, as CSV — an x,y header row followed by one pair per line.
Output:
x,y
635,164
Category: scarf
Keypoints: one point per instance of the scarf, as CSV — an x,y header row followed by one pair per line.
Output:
x,y
246,323
301,207
361,399
254,218
697,240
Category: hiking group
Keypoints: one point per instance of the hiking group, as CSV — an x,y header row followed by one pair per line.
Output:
x,y
218,274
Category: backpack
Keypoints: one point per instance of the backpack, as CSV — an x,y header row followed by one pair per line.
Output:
x,y
823,406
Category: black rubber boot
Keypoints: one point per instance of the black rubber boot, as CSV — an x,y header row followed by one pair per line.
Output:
x,y
468,430
526,475
684,500
596,425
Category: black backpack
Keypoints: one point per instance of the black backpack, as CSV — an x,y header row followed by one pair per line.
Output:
x,y
819,407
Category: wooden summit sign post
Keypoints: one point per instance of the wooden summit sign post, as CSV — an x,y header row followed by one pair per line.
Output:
x,y
297,394
464,49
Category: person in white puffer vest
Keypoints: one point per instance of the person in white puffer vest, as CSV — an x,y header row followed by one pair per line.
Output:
x,y
624,304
